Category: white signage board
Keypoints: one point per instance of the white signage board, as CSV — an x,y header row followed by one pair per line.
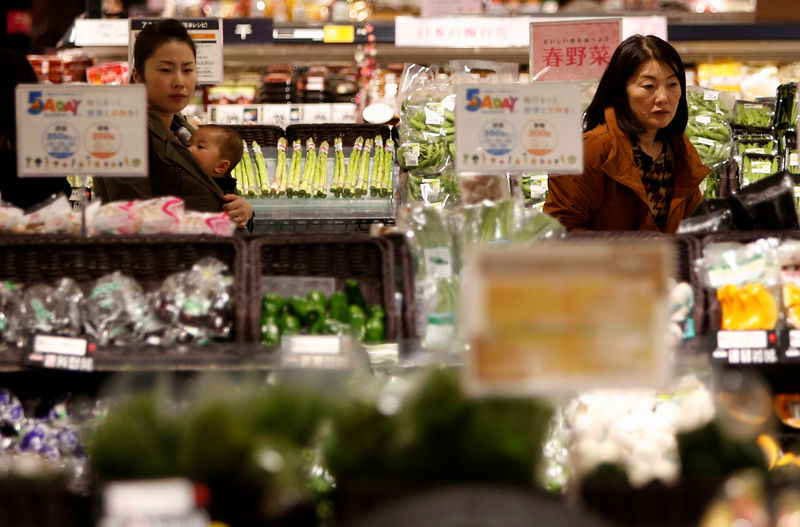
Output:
x,y
498,32
81,129
503,128
567,317
207,36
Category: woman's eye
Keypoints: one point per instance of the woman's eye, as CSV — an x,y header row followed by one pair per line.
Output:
x,y
188,70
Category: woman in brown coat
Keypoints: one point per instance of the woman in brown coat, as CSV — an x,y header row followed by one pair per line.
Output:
x,y
640,170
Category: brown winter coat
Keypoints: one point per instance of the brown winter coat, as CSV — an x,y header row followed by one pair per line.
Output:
x,y
173,172
610,196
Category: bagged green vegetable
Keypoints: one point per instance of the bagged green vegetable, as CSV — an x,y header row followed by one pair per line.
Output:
x,y
756,167
752,114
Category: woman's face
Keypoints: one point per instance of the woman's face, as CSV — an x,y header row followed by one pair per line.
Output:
x,y
653,94
170,77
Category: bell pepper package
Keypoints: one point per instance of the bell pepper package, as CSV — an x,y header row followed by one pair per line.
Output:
x,y
746,279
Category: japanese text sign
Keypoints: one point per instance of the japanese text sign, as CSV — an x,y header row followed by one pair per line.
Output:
x,y
504,128
573,50
206,34
574,316
81,129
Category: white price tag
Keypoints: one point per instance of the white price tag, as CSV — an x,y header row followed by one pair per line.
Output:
x,y
793,159
755,150
434,113
710,95
742,339
59,345
705,141
794,339
761,167
703,119
313,344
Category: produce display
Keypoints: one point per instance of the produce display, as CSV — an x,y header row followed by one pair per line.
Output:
x,y
48,442
709,131
786,106
440,239
164,215
368,172
344,313
194,306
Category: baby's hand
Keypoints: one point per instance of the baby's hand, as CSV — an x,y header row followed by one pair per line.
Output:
x,y
239,209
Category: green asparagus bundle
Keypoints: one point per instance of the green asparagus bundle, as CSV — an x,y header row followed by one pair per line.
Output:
x,y
376,174
309,169
249,176
321,182
348,188
363,169
293,184
338,167
238,175
262,176
386,172
278,187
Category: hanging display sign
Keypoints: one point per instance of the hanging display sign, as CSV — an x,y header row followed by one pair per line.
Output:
x,y
504,128
573,50
575,316
80,129
207,36
432,8
504,32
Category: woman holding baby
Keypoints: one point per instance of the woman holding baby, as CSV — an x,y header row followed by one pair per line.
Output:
x,y
164,61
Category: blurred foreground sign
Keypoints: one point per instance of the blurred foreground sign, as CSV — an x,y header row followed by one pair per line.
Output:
x,y
567,316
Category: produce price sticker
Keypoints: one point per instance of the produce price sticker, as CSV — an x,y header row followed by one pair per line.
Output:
x,y
207,36
576,316
503,128
88,130
573,50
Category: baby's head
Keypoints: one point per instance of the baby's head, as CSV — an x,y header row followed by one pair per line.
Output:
x,y
218,149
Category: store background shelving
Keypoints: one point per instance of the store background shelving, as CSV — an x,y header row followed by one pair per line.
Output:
x,y
698,37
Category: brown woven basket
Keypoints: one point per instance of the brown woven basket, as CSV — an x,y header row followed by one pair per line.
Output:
x,y
263,134
149,259
404,278
688,249
330,131
367,259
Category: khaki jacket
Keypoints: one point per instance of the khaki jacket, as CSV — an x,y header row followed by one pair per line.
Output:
x,y
610,195
173,172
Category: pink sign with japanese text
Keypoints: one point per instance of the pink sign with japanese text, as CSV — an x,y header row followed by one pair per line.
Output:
x,y
577,50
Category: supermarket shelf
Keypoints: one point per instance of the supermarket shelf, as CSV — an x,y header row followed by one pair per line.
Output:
x,y
323,209
142,358
697,37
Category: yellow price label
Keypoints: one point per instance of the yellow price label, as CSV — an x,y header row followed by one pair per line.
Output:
x,y
338,34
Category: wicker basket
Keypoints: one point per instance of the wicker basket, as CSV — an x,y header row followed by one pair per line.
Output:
x,y
330,131
149,259
341,256
263,134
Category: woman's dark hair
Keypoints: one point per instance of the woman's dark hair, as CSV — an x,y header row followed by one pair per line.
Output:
x,y
153,36
16,70
612,90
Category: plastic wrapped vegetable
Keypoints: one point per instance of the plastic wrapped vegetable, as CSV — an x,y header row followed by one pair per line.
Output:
x,y
756,167
750,114
746,280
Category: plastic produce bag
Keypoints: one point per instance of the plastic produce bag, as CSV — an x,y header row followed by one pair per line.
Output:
x,y
746,280
117,310
709,131
197,304
789,257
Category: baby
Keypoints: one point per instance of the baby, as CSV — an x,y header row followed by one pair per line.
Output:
x,y
218,149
